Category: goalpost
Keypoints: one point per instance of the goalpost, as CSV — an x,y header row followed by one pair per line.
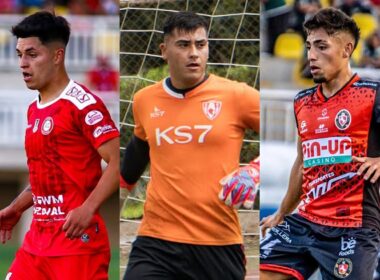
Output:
x,y
234,43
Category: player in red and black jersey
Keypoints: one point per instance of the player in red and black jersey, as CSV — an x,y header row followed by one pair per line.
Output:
x,y
334,180
69,132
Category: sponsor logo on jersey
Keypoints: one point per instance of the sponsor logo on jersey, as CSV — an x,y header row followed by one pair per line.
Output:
x,y
35,127
182,134
85,238
157,113
347,246
324,151
322,178
343,268
47,126
323,188
303,127
79,95
324,115
343,119
93,117
102,130
211,108
321,129
48,205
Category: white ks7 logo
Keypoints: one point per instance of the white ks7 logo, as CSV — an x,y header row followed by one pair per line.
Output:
x,y
181,134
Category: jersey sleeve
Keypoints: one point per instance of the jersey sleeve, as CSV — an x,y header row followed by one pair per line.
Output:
x,y
376,109
96,123
139,129
248,100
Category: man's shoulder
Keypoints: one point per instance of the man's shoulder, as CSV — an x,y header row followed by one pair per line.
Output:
x,y
362,83
149,91
305,92
78,95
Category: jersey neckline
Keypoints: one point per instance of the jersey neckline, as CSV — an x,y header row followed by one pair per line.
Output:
x,y
177,95
352,80
42,106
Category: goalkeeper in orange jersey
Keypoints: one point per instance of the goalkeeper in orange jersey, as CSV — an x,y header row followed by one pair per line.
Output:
x,y
190,126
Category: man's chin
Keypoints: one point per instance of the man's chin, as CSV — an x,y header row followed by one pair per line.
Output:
x,y
319,80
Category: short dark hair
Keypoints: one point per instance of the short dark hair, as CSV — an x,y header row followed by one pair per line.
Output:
x,y
44,25
333,20
184,21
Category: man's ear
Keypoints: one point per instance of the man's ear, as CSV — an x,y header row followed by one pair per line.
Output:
x,y
163,50
348,50
59,55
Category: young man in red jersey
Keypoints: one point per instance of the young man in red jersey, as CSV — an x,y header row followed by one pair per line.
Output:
x,y
190,126
334,180
69,132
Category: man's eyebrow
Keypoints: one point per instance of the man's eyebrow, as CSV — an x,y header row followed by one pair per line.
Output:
x,y
27,50
188,41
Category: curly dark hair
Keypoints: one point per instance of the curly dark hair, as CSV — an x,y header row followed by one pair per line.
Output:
x,y
332,21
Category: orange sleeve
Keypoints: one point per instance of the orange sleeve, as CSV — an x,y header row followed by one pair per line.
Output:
x,y
139,130
248,100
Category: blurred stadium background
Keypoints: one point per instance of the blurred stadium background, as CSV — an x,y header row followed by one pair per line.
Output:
x,y
234,53
284,72
95,39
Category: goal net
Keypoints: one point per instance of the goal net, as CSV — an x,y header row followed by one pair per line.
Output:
x,y
234,44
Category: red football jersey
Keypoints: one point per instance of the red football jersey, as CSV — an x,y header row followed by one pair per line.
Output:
x,y
332,130
61,144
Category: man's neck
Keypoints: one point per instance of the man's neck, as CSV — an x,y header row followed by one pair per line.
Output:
x,y
332,87
53,89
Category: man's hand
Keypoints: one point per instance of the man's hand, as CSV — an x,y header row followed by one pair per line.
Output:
x,y
270,221
240,187
77,221
8,219
370,168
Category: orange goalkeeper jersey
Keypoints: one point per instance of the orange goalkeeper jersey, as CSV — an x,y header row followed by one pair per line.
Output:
x,y
194,141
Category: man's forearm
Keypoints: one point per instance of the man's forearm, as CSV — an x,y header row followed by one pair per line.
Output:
x,y
109,181
294,192
23,201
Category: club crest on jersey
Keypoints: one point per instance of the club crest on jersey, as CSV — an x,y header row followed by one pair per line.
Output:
x,y
85,238
343,119
35,127
211,108
47,126
343,268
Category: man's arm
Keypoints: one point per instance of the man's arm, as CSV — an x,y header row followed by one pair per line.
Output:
x,y
135,161
10,215
79,219
292,197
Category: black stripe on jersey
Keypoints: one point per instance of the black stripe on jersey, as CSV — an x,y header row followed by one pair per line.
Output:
x,y
366,83
305,92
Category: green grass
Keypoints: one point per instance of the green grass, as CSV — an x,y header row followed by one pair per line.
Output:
x,y
7,253
132,210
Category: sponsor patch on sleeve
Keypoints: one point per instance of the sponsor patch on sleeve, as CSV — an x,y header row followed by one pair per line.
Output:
x,y
93,117
100,130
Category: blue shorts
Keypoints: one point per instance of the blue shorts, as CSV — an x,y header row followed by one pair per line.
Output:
x,y
297,247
